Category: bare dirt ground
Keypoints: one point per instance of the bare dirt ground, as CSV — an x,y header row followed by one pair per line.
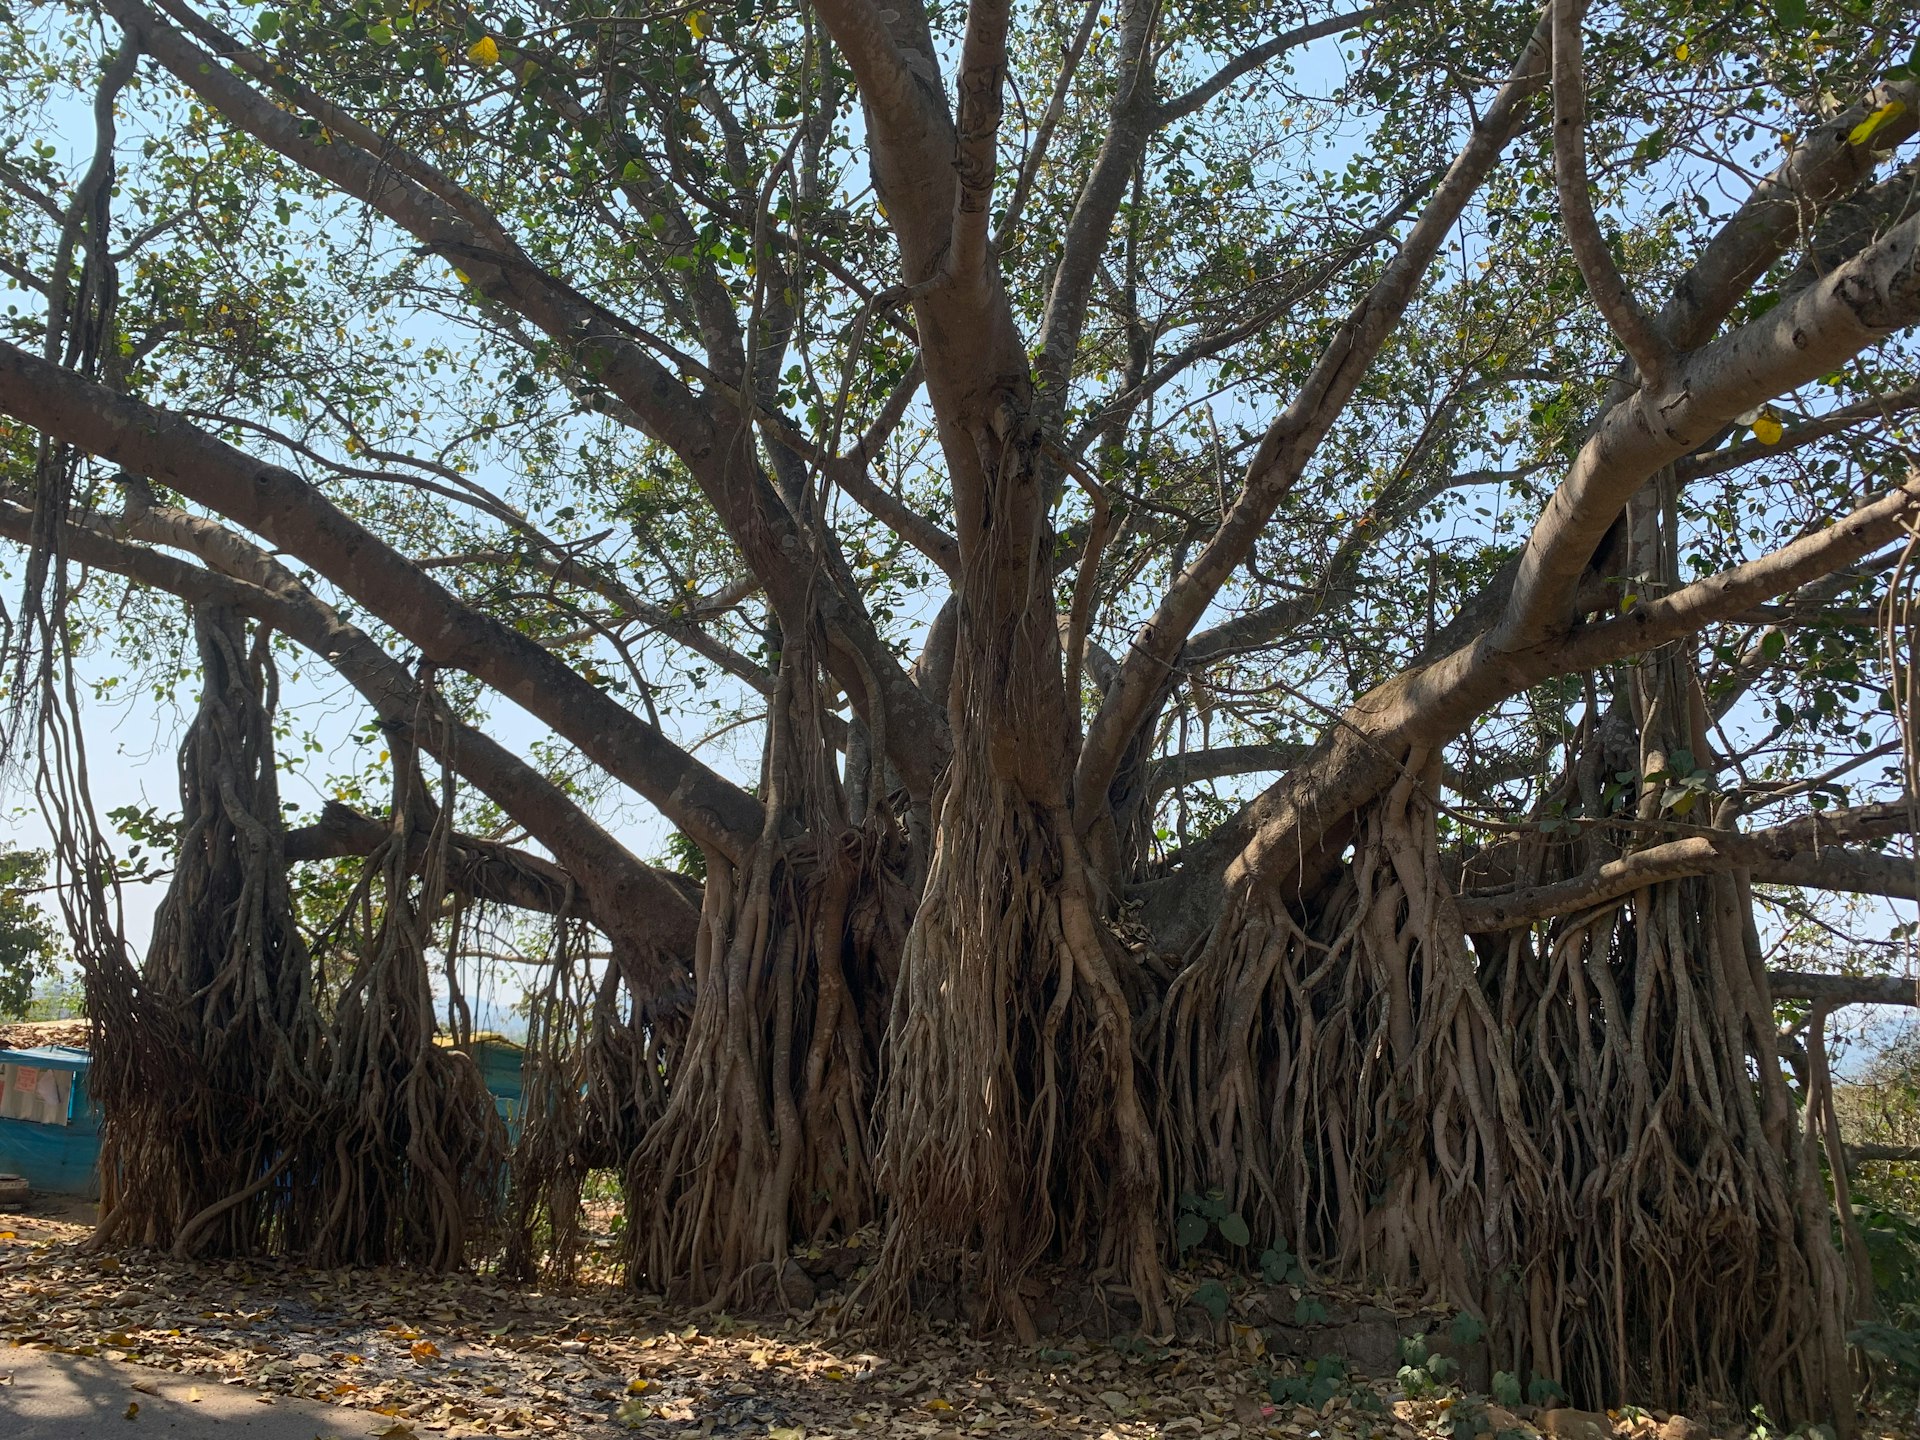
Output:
x,y
468,1355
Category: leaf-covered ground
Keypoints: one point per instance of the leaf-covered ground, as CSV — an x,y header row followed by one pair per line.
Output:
x,y
467,1355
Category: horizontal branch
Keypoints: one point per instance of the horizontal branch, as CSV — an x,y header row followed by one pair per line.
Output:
x,y
1844,989
1885,1154
298,519
643,913
478,869
1761,854
1877,407
1171,771
1732,593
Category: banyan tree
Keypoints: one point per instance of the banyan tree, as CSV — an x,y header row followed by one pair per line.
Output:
x,y
1250,600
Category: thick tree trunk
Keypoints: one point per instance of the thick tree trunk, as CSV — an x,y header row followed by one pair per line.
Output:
x,y
208,1061
764,1136
1015,1126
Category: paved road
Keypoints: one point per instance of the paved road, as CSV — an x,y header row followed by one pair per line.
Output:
x,y
66,1397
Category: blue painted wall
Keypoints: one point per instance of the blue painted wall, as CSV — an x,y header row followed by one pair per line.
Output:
x,y
65,1159
59,1159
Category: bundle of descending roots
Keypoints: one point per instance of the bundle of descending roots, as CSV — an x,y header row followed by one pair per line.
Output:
x,y
249,1105
1682,1249
1343,1079
1015,1127
410,1167
591,1081
209,1063
1579,1132
765,1130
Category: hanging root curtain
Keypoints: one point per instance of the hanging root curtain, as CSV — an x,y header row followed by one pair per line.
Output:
x,y
208,1063
769,1082
253,1104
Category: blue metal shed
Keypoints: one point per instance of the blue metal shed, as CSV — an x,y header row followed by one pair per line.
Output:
x,y
49,1126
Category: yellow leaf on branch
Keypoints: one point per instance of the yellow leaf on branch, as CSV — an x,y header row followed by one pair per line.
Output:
x,y
484,51
1867,128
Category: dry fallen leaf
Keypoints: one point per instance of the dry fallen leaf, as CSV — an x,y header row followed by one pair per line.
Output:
x,y
425,1350
632,1412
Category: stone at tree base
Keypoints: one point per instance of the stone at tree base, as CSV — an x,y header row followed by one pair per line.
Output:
x,y
1367,1337
13,1192
796,1287
1576,1425
1679,1427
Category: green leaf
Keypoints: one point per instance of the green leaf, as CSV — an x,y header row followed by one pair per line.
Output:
x,y
1189,1231
1234,1230
1326,1384
1543,1391
267,26
1466,1329
1212,1297
1506,1388
1274,1265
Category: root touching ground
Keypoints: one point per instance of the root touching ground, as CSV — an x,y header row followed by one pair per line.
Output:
x,y
240,1119
1014,1120
1570,1141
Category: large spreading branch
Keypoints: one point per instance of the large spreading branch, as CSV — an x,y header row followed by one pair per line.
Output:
x,y
711,434
645,914
1295,436
297,518
1292,826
